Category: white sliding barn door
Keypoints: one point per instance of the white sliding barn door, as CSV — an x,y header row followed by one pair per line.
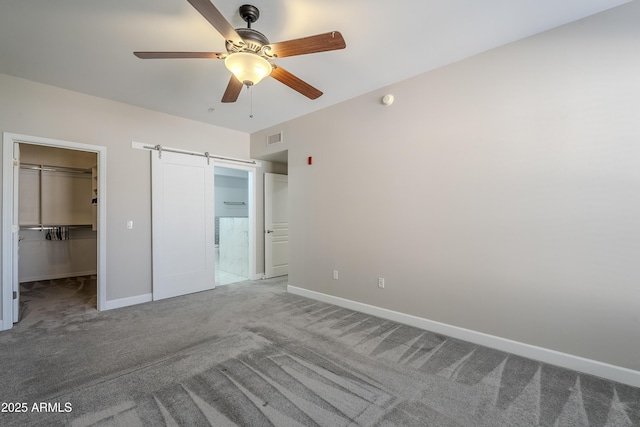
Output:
x,y
183,224
276,224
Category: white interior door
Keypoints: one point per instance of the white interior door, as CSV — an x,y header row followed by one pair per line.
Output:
x,y
276,224
15,232
183,224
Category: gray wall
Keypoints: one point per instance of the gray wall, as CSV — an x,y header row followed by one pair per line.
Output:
x,y
40,110
498,194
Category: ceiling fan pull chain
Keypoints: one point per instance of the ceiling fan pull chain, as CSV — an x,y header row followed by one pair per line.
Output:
x,y
250,101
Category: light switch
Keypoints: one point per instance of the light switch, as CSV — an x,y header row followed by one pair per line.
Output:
x,y
129,225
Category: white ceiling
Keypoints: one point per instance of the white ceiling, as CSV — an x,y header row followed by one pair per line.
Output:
x,y
87,45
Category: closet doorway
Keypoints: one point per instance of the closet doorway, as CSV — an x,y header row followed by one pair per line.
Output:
x,y
58,245
55,230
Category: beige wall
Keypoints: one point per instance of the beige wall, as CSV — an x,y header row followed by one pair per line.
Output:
x,y
45,111
498,194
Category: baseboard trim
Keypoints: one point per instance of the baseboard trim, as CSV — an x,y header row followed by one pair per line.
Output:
x,y
553,357
126,302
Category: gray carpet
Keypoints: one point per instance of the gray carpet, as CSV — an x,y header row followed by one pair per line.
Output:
x,y
45,299
250,354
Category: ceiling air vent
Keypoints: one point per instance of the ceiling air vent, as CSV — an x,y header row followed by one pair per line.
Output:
x,y
276,138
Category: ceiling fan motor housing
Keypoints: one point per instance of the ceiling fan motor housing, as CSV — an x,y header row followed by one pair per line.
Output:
x,y
254,41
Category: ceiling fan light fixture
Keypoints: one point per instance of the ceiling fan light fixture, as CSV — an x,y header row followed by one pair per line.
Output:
x,y
249,68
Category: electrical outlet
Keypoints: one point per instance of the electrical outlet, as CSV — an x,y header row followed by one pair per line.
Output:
x,y
381,282
335,274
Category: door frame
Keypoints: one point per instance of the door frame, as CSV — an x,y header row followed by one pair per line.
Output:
x,y
251,181
9,272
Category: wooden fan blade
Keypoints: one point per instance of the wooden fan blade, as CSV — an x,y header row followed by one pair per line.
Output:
x,y
283,76
312,44
215,18
165,55
233,90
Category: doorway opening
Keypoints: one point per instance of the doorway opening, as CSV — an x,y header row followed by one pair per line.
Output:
x,y
57,215
53,228
232,225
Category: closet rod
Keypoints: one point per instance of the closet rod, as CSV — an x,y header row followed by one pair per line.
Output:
x,y
49,227
206,154
49,168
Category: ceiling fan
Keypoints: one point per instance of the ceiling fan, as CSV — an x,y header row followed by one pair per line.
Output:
x,y
249,52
